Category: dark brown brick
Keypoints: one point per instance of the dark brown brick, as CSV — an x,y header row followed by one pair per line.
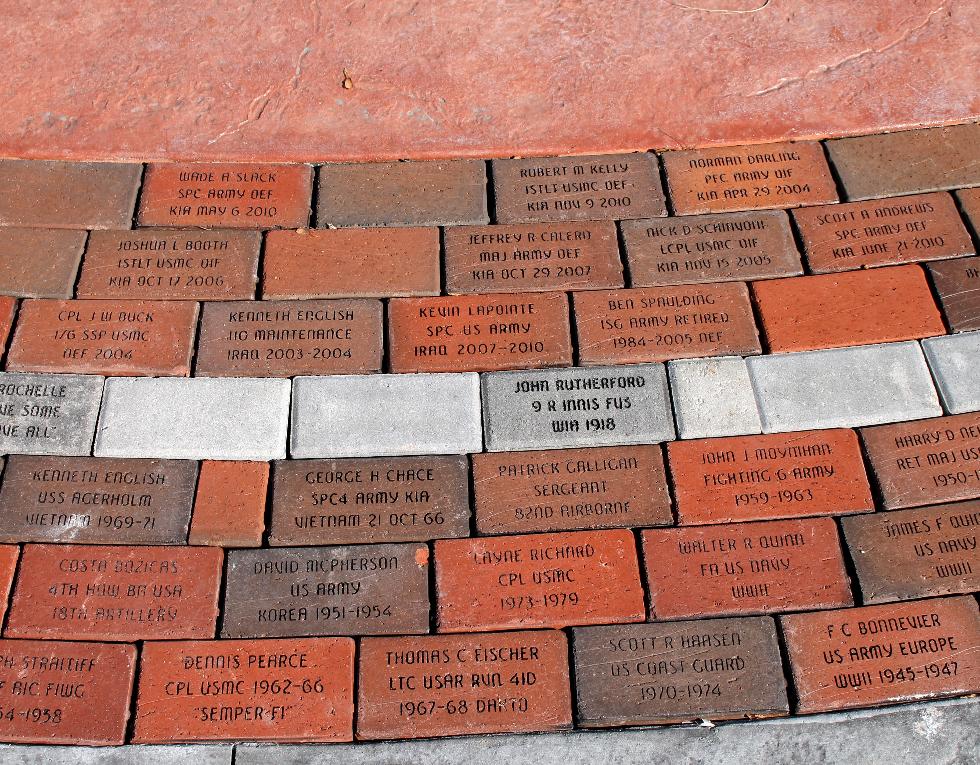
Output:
x,y
37,262
970,202
958,286
8,567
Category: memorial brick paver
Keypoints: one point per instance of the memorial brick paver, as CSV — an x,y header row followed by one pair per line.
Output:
x,y
957,285
649,674
8,567
229,507
713,397
445,685
48,414
954,360
885,654
37,262
94,592
969,200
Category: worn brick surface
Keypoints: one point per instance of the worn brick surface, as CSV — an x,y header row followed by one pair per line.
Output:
x,y
64,693
745,568
882,232
479,332
915,553
115,593
226,195
851,308
352,501
566,489
402,193
926,461
282,338
748,177
710,248
8,566
259,690
957,284
884,654
111,337
787,475
67,194
970,202
157,264
357,262
532,257
660,323
537,580
229,507
645,674
357,590
89,500
37,262
445,685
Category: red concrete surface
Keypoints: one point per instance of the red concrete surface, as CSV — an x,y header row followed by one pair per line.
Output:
x,y
339,80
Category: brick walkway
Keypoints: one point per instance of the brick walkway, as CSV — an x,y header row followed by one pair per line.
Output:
x,y
362,452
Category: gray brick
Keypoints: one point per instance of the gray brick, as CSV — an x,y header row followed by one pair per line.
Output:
x,y
62,412
955,363
713,397
181,754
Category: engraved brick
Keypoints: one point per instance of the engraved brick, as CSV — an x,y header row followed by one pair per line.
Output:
x,y
745,568
111,337
749,478
514,682
661,323
98,592
479,332
357,262
755,177
727,247
861,657
280,690
600,187
226,195
8,308
48,414
356,501
532,257
229,508
815,312
958,287
915,553
89,500
36,262
954,361
926,461
282,338
537,580
713,397
882,232
970,202
647,674
65,693
298,591
564,408
67,194
157,264
562,490
8,566
402,193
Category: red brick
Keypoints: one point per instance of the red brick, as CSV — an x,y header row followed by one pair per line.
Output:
x,y
157,264
65,693
659,323
8,566
958,287
860,657
226,195
356,262
566,489
92,592
114,337
479,332
283,338
745,568
782,475
229,510
37,262
280,690
926,461
67,194
514,682
755,177
537,580
882,232
970,202
851,308
8,308
534,257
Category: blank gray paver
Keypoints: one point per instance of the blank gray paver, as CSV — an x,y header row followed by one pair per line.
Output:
x,y
194,418
955,363
177,754
843,387
63,412
713,397
386,415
